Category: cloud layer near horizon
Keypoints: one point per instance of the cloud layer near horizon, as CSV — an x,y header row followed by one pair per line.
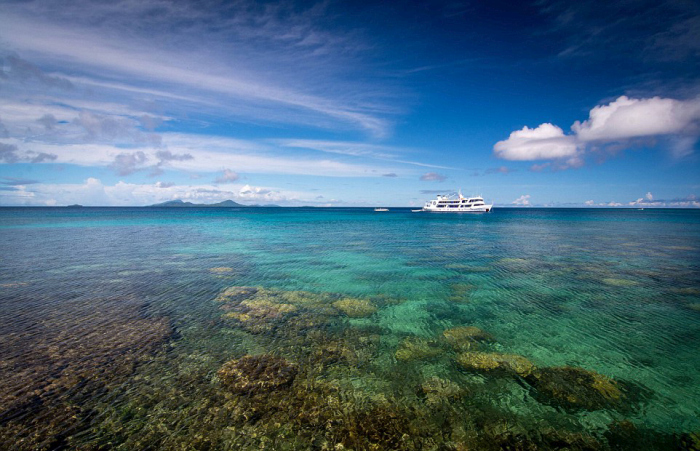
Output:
x,y
618,123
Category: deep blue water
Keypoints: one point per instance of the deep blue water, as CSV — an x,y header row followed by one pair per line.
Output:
x,y
113,327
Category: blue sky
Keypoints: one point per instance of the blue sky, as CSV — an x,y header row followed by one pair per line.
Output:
x,y
541,103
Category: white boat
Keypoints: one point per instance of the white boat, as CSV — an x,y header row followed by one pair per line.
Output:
x,y
381,209
457,204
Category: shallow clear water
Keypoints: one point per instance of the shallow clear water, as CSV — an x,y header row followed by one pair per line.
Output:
x,y
115,326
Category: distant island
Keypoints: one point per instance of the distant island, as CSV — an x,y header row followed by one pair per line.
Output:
x,y
225,204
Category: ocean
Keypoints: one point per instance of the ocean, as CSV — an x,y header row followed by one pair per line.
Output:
x,y
323,328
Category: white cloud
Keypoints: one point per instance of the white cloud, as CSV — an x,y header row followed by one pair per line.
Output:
x,y
627,118
523,200
545,142
196,153
649,201
92,192
228,176
243,59
615,126
589,203
356,149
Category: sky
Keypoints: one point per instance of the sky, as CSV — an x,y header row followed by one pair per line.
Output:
x,y
331,103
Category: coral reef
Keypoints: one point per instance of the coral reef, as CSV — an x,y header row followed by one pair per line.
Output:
x,y
575,388
416,348
464,338
437,390
221,270
459,292
79,351
251,374
619,282
495,362
355,308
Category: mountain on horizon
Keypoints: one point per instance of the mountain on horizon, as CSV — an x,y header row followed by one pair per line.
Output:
x,y
180,203
224,204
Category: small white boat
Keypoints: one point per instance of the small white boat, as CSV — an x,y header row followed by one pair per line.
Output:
x,y
457,204
381,209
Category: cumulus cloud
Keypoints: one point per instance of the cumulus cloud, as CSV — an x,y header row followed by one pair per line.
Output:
x,y
433,177
248,190
648,201
627,118
8,153
545,142
522,201
93,192
612,127
166,155
228,176
128,163
112,128
41,157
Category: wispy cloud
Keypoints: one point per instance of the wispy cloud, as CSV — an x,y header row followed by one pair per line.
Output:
x,y
14,181
356,149
433,177
260,46
208,154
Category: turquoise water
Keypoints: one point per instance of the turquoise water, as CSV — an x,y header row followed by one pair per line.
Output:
x,y
116,329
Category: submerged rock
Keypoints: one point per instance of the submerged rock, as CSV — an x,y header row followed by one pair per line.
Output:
x,y
221,270
259,373
620,282
493,361
464,338
575,388
460,292
237,294
355,308
415,348
437,390
84,348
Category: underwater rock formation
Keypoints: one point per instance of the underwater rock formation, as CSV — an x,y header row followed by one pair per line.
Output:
x,y
221,270
459,292
495,362
355,308
575,388
437,390
257,373
416,348
464,338
260,310
51,377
